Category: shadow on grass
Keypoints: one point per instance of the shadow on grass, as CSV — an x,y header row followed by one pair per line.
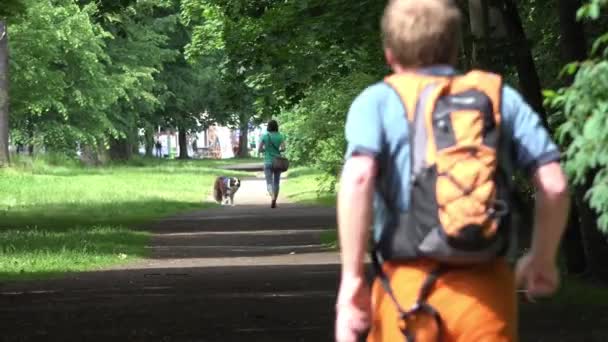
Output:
x,y
67,167
302,171
40,253
311,197
48,240
63,217
162,169
197,163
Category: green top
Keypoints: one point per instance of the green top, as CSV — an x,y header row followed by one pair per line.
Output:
x,y
272,143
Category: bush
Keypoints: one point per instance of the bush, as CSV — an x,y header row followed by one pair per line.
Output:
x,y
315,127
583,127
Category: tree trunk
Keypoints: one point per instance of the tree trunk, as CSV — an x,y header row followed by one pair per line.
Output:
x,y
572,244
488,32
183,143
466,41
4,95
120,149
244,140
89,155
30,136
572,35
103,154
573,48
529,81
594,241
149,141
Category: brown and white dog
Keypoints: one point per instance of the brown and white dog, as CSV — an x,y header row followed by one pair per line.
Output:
x,y
225,188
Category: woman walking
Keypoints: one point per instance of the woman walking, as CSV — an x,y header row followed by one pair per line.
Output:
x,y
272,144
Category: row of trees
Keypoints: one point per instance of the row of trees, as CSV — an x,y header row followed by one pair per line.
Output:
x,y
92,74
306,60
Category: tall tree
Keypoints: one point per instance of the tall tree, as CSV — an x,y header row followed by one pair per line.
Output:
x,y
4,94
529,81
11,7
580,108
583,234
8,9
60,94
487,32
140,45
192,91
573,43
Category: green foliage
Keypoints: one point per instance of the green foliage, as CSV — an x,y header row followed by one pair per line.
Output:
x,y
315,126
218,39
543,32
582,108
10,8
192,90
59,84
302,61
84,73
591,10
138,48
303,186
57,215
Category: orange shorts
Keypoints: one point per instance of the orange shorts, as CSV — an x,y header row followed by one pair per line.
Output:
x,y
476,305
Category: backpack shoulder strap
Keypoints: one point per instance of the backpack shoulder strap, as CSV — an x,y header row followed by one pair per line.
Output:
x,y
418,94
409,87
486,82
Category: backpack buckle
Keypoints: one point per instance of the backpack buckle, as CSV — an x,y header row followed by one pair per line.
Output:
x,y
499,208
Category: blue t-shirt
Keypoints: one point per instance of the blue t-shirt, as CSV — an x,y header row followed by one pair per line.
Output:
x,y
377,125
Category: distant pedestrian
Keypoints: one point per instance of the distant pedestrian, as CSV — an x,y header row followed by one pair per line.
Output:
x,y
159,148
272,144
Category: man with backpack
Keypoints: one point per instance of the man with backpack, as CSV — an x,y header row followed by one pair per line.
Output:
x,y
430,161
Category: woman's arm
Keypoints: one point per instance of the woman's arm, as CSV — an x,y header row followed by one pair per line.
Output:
x,y
282,147
261,147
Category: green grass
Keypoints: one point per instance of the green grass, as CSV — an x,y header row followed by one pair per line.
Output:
x,y
301,187
329,238
577,292
57,217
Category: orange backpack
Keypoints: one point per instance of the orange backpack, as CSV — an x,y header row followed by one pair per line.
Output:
x,y
458,200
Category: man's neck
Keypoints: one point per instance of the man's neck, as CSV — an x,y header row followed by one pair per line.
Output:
x,y
440,69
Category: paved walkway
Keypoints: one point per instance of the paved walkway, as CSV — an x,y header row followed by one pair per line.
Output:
x,y
242,273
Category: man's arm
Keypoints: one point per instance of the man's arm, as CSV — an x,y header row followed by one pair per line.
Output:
x,y
552,209
363,131
537,155
353,305
355,214
537,271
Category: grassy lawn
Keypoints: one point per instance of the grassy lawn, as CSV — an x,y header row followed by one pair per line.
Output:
x,y
301,187
60,218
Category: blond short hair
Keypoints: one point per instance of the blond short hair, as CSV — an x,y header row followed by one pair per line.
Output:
x,y
422,32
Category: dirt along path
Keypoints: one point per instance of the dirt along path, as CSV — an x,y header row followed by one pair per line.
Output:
x,y
242,273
